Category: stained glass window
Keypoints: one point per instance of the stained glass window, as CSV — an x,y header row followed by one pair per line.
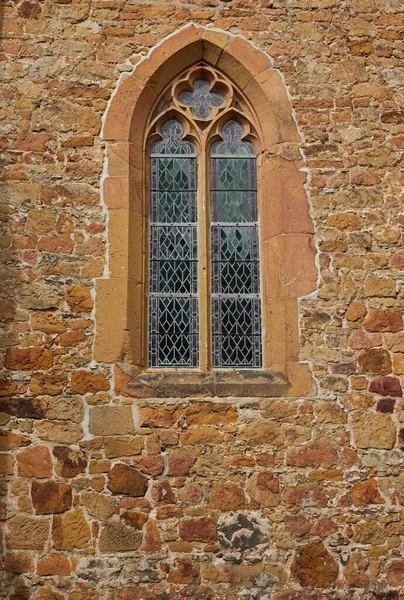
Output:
x,y
236,305
173,310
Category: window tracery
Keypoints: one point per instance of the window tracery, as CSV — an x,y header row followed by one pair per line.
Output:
x,y
204,295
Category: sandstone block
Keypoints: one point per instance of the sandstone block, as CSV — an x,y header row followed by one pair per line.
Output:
x,y
50,497
117,537
390,319
226,496
180,461
395,573
386,386
152,539
261,433
264,489
380,286
200,435
161,416
361,339
27,533
374,430
28,359
297,525
313,455
210,413
84,382
324,527
59,431
111,420
99,506
368,532
375,361
70,530
185,572
70,462
123,446
313,566
366,492
51,384
17,563
79,299
54,564
10,440
127,480
199,529
66,408
134,519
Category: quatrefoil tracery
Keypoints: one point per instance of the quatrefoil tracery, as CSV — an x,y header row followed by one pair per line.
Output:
x,y
202,100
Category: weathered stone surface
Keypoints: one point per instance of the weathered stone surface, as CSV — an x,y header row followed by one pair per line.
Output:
x,y
111,420
54,564
50,497
27,533
201,529
66,408
296,525
180,461
312,565
127,480
123,446
17,563
59,431
99,506
390,319
313,455
70,530
375,361
374,430
28,359
70,462
226,496
386,386
79,299
240,533
264,489
395,573
210,413
261,433
117,537
84,382
366,492
35,462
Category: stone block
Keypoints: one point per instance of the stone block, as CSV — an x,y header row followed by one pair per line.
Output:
x,y
111,420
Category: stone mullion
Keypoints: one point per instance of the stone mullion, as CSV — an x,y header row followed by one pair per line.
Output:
x,y
204,291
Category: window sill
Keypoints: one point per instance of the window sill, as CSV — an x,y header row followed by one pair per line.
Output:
x,y
293,379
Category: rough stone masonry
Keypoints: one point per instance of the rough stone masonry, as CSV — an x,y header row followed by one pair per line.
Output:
x,y
110,497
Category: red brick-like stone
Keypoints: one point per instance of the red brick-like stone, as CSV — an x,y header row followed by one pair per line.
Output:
x,y
127,480
366,492
180,461
313,566
226,496
390,319
36,462
199,529
386,386
84,382
54,564
50,497
28,359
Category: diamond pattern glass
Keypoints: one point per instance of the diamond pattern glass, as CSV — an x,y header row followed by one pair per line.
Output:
x,y
236,305
173,319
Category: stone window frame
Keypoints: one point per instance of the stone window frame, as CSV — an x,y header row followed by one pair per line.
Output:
x,y
287,245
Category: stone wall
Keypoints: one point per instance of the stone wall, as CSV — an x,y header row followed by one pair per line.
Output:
x,y
110,497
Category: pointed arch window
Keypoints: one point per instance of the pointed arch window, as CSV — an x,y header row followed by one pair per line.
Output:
x,y
204,287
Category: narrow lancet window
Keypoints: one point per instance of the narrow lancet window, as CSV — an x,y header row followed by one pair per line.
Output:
x,y
174,320
236,305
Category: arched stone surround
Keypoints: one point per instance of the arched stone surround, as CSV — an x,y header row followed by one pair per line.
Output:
x,y
286,229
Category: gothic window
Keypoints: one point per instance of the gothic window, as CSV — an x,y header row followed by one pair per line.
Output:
x,y
204,287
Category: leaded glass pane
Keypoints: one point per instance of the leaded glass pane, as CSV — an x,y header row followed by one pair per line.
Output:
x,y
236,305
173,252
